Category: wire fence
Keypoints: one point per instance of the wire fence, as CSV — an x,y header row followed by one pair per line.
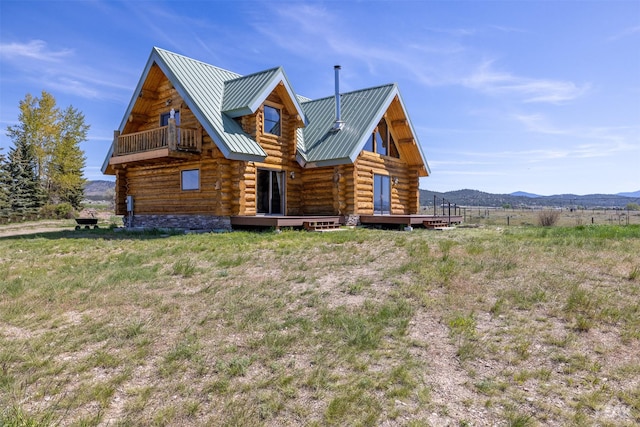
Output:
x,y
566,217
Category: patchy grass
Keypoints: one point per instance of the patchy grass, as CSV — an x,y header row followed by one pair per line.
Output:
x,y
517,326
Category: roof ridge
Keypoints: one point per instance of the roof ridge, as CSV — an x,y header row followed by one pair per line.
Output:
x,y
199,61
240,76
352,92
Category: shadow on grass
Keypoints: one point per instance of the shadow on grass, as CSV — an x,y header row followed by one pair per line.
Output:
x,y
99,233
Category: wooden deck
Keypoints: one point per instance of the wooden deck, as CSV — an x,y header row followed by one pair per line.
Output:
x,y
278,221
409,220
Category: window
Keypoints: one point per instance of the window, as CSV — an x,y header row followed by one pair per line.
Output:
x,y
190,179
381,195
271,120
270,191
382,142
164,118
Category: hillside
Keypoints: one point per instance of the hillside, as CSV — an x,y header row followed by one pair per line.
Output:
x,y
99,190
479,198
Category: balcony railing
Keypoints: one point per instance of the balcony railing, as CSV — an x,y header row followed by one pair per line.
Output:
x,y
172,137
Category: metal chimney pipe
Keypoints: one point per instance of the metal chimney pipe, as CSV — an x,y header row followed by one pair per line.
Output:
x,y
338,123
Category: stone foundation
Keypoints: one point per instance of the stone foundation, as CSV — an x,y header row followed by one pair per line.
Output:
x,y
352,220
186,222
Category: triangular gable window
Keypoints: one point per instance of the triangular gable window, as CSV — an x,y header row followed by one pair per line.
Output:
x,y
381,141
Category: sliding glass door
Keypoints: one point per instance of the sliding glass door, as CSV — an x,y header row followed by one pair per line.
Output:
x,y
270,192
381,195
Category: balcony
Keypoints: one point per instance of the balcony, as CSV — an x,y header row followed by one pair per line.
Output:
x,y
169,141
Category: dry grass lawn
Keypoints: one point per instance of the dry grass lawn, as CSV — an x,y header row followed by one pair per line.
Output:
x,y
518,326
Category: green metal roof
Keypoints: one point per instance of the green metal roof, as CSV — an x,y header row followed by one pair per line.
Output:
x,y
244,95
320,145
241,93
202,87
361,111
216,96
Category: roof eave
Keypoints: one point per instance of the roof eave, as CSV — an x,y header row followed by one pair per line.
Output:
x,y
415,135
374,122
277,78
150,61
325,163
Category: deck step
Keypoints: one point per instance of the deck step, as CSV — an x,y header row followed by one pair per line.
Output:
x,y
320,225
434,223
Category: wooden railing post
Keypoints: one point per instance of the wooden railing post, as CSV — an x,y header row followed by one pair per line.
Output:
x,y
116,145
172,134
199,138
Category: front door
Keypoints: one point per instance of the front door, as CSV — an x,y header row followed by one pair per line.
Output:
x,y
270,192
381,195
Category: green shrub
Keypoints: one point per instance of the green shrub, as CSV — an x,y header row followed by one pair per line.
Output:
x,y
58,211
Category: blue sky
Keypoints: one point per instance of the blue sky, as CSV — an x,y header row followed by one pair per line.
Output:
x,y
537,96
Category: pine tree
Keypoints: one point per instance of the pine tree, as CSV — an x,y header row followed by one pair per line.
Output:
x,y
5,205
25,192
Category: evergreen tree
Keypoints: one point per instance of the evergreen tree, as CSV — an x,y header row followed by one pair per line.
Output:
x,y
5,204
25,192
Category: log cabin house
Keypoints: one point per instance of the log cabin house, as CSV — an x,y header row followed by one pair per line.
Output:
x,y
204,148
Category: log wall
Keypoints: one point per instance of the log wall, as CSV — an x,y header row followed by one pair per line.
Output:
x,y
404,194
318,191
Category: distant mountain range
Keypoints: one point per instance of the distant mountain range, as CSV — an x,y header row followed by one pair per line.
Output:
x,y
521,198
525,194
99,190
104,190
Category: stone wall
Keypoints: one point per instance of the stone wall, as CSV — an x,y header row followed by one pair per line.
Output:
x,y
186,222
352,220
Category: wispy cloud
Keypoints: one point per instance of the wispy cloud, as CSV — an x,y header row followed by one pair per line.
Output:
x,y
456,32
32,50
614,139
627,32
59,70
504,29
488,80
465,172
429,61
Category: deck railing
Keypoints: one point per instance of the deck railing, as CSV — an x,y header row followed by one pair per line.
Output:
x,y
173,137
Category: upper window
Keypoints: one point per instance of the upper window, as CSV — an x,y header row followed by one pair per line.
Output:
x,y
190,179
164,118
381,141
271,120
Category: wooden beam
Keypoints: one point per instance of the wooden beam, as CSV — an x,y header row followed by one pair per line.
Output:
x,y
400,122
148,94
138,118
407,141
